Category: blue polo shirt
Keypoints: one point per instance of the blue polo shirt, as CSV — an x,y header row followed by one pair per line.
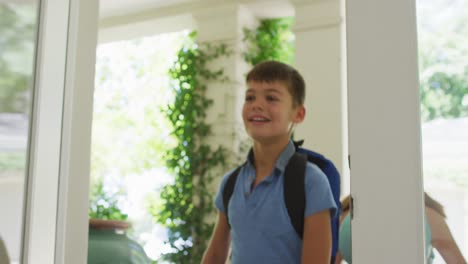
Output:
x,y
261,231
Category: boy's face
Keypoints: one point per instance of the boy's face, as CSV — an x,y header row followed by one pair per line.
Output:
x,y
268,111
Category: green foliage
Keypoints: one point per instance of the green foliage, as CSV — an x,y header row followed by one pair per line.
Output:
x,y
187,202
271,40
104,204
17,31
443,57
12,161
129,129
444,95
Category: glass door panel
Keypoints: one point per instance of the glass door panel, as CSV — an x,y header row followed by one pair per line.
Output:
x,y
18,30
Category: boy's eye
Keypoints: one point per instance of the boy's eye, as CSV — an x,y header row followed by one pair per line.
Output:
x,y
271,98
249,98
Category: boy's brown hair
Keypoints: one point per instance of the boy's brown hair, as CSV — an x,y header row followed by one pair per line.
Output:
x,y
272,71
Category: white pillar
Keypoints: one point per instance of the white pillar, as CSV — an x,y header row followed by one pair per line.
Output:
x,y
384,132
224,23
320,58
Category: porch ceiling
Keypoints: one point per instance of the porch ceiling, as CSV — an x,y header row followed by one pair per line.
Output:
x,y
111,8
123,8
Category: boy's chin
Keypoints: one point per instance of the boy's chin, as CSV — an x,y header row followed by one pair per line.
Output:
x,y
268,139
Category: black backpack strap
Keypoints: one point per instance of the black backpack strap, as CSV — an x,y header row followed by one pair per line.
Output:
x,y
294,193
229,189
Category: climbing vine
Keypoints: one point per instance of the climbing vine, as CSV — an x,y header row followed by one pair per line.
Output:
x,y
271,40
188,201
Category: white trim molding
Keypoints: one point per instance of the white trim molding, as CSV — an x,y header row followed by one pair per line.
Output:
x,y
46,132
72,220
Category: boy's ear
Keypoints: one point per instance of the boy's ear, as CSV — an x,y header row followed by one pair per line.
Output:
x,y
299,114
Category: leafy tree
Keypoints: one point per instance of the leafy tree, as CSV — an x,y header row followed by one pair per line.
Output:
x,y
443,58
129,129
130,132
17,30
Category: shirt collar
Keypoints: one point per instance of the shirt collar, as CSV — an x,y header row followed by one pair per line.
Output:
x,y
282,160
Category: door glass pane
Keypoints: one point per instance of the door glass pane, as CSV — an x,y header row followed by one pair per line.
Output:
x,y
443,71
18,28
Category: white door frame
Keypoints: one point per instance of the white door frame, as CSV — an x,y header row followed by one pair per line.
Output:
x,y
384,132
56,211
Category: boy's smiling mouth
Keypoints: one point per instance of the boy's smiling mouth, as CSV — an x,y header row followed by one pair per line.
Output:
x,y
257,118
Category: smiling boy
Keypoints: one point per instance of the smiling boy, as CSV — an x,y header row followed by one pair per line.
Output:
x,y
259,226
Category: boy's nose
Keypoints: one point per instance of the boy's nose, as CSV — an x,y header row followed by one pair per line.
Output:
x,y
257,105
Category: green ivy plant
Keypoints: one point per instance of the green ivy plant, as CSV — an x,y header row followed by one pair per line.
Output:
x,y
271,40
187,202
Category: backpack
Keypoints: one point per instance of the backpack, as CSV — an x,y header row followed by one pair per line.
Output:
x,y
294,194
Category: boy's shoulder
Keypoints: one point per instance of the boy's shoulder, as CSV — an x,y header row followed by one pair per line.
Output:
x,y
313,171
231,170
228,174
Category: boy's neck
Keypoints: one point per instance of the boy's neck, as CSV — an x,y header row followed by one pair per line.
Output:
x,y
265,156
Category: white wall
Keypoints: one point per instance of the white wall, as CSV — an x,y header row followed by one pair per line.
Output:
x,y
319,58
11,221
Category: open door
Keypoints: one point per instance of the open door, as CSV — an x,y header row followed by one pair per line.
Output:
x,y
47,80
